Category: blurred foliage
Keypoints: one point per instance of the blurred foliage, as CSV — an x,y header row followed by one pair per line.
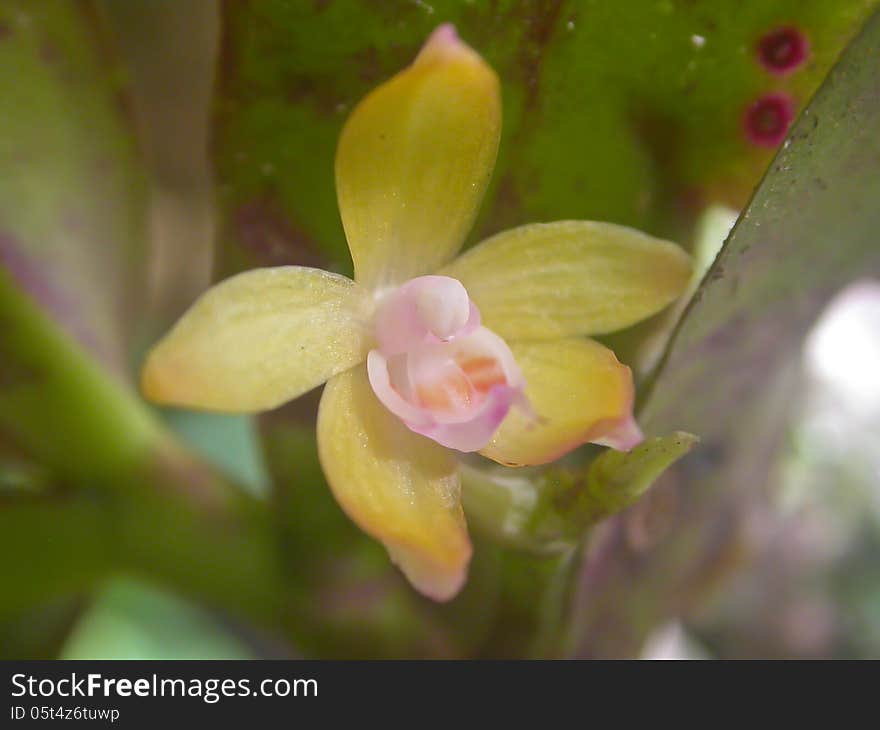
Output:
x,y
168,51
72,193
627,112
228,441
813,593
729,373
129,619
630,112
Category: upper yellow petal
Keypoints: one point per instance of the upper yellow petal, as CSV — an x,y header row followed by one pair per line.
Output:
x,y
414,160
260,339
579,393
551,280
399,487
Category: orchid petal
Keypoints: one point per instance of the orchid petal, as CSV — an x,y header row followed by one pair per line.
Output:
x,y
578,392
399,487
414,160
550,280
260,339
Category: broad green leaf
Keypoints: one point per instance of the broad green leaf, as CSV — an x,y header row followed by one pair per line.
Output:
x,y
72,215
624,112
810,228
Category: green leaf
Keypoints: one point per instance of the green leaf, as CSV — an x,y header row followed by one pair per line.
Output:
x,y
810,228
626,112
616,479
72,194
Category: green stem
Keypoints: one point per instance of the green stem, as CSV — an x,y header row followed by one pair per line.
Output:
x,y
144,505
58,404
556,602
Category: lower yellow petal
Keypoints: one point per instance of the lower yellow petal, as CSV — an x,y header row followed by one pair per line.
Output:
x,y
550,280
579,392
399,487
260,339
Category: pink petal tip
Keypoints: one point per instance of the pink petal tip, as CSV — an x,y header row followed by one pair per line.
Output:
x,y
625,436
443,44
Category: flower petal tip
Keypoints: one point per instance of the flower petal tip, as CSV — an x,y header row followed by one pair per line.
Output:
x,y
444,45
165,381
624,436
444,34
444,40
155,381
439,582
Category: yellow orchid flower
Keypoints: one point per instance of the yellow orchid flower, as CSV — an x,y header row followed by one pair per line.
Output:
x,y
426,355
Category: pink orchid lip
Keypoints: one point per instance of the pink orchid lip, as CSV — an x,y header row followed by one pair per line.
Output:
x,y
475,433
380,380
449,378
468,428
436,368
427,309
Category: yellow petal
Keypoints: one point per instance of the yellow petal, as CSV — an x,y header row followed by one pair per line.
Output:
x,y
260,339
579,392
414,160
551,280
399,487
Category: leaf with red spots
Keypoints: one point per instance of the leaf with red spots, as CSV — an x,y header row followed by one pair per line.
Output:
x,y
810,229
625,112
767,119
783,50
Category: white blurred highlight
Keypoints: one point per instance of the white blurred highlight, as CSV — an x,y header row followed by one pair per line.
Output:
x,y
843,351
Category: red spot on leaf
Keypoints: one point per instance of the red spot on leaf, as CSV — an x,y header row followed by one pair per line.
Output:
x,y
768,118
783,50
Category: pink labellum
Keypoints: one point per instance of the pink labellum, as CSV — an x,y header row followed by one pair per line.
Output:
x,y
477,430
445,376
429,309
